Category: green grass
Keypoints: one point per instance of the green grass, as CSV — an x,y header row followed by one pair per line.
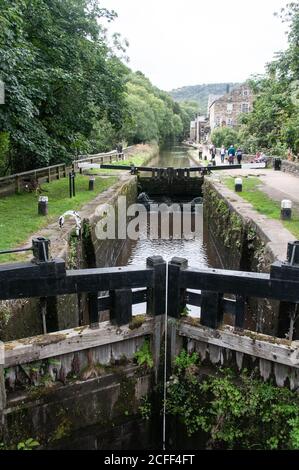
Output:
x,y
18,213
263,203
138,160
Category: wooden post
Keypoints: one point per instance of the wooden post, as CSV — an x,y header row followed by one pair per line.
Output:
x,y
211,309
121,306
58,172
176,295
2,383
93,310
17,184
240,312
49,175
156,296
64,170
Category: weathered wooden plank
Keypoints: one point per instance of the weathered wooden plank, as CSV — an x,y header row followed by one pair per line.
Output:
x,y
68,341
254,344
2,387
242,283
85,280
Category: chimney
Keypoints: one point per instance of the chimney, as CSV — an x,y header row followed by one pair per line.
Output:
x,y
227,88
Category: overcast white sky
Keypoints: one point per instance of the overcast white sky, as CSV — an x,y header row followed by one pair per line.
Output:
x,y
188,42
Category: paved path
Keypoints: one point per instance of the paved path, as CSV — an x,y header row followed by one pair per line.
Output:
x,y
277,184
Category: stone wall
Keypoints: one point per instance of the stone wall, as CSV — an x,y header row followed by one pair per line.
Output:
x,y
246,241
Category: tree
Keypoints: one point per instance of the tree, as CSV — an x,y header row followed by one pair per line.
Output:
x,y
273,124
224,136
60,77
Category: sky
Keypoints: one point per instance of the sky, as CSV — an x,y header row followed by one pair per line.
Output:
x,y
177,43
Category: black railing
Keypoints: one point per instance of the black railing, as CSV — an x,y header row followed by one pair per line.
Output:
x,y
48,278
158,172
282,283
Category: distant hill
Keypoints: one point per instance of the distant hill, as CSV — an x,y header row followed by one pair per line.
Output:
x,y
200,93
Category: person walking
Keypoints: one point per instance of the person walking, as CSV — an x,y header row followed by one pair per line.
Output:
x,y
213,155
222,153
231,154
239,155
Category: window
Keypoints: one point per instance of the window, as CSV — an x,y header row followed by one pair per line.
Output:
x,y
245,92
230,122
245,108
218,120
230,108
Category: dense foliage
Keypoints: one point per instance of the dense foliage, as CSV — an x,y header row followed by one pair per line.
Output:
x,y
235,411
273,126
225,136
67,92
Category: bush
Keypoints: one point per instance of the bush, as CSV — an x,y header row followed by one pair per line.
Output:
x,y
224,136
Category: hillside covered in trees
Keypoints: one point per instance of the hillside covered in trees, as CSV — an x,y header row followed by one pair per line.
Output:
x,y
200,93
66,90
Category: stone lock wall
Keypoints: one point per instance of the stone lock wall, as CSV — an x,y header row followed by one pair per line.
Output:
x,y
247,241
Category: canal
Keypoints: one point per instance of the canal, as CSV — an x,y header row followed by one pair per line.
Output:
x,y
193,245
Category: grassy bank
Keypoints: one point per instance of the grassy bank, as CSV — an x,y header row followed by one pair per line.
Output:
x,y
140,158
18,213
262,203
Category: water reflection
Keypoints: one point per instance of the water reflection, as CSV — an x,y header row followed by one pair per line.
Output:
x,y
177,156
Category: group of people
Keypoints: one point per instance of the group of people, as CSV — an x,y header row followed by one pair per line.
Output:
x,y
231,153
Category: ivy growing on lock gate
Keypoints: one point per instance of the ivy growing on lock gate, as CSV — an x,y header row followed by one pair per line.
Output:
x,y
236,411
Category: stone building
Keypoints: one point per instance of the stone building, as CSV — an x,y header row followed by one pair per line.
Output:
x,y
224,111
199,129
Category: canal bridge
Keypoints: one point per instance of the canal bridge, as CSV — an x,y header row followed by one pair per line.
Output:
x,y
219,337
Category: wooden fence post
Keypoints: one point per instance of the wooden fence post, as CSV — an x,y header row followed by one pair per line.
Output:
x,y
240,312
156,296
211,309
2,382
176,295
93,309
121,306
17,184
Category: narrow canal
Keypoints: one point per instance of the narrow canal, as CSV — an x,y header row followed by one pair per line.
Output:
x,y
195,248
